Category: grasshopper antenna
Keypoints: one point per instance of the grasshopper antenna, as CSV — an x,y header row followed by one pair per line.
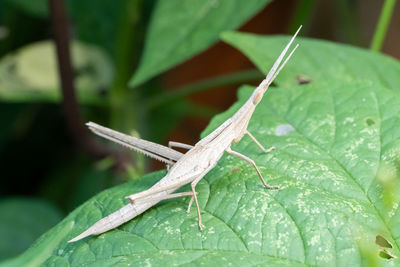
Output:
x,y
274,70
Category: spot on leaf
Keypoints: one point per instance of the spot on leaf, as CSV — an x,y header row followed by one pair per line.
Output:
x,y
383,242
283,129
369,121
234,170
302,79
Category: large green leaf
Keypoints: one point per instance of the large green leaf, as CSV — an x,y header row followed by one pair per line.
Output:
x,y
181,29
97,21
31,74
22,221
336,160
326,62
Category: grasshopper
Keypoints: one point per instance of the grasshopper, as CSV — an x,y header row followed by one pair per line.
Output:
x,y
192,166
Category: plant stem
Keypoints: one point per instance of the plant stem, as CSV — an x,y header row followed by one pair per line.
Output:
x,y
349,28
123,102
302,14
204,85
381,28
72,113
70,104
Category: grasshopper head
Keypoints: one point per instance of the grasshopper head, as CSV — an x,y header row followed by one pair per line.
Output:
x,y
257,97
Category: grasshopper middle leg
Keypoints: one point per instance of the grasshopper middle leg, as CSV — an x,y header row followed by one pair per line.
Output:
x,y
249,160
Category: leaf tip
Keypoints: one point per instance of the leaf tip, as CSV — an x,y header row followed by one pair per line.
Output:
x,y
225,36
135,81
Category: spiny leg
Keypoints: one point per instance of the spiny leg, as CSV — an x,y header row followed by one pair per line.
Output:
x,y
259,144
148,148
169,165
234,153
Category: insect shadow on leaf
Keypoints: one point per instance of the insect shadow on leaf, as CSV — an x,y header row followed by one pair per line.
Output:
x,y
302,79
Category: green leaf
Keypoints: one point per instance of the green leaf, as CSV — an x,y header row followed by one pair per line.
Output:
x,y
165,118
31,73
324,62
97,21
337,160
22,221
36,8
180,29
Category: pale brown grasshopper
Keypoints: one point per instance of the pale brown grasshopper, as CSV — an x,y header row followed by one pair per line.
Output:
x,y
192,166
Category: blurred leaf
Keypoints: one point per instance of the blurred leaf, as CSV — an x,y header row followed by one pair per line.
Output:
x,y
96,21
31,73
164,118
93,21
36,8
314,59
326,165
180,29
8,116
88,184
74,181
22,221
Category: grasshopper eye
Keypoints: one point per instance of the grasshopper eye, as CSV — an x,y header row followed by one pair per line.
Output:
x,y
257,98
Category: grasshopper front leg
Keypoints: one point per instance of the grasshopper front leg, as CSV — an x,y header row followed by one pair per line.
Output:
x,y
259,144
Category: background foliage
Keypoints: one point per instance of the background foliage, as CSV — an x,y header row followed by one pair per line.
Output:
x,y
349,160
